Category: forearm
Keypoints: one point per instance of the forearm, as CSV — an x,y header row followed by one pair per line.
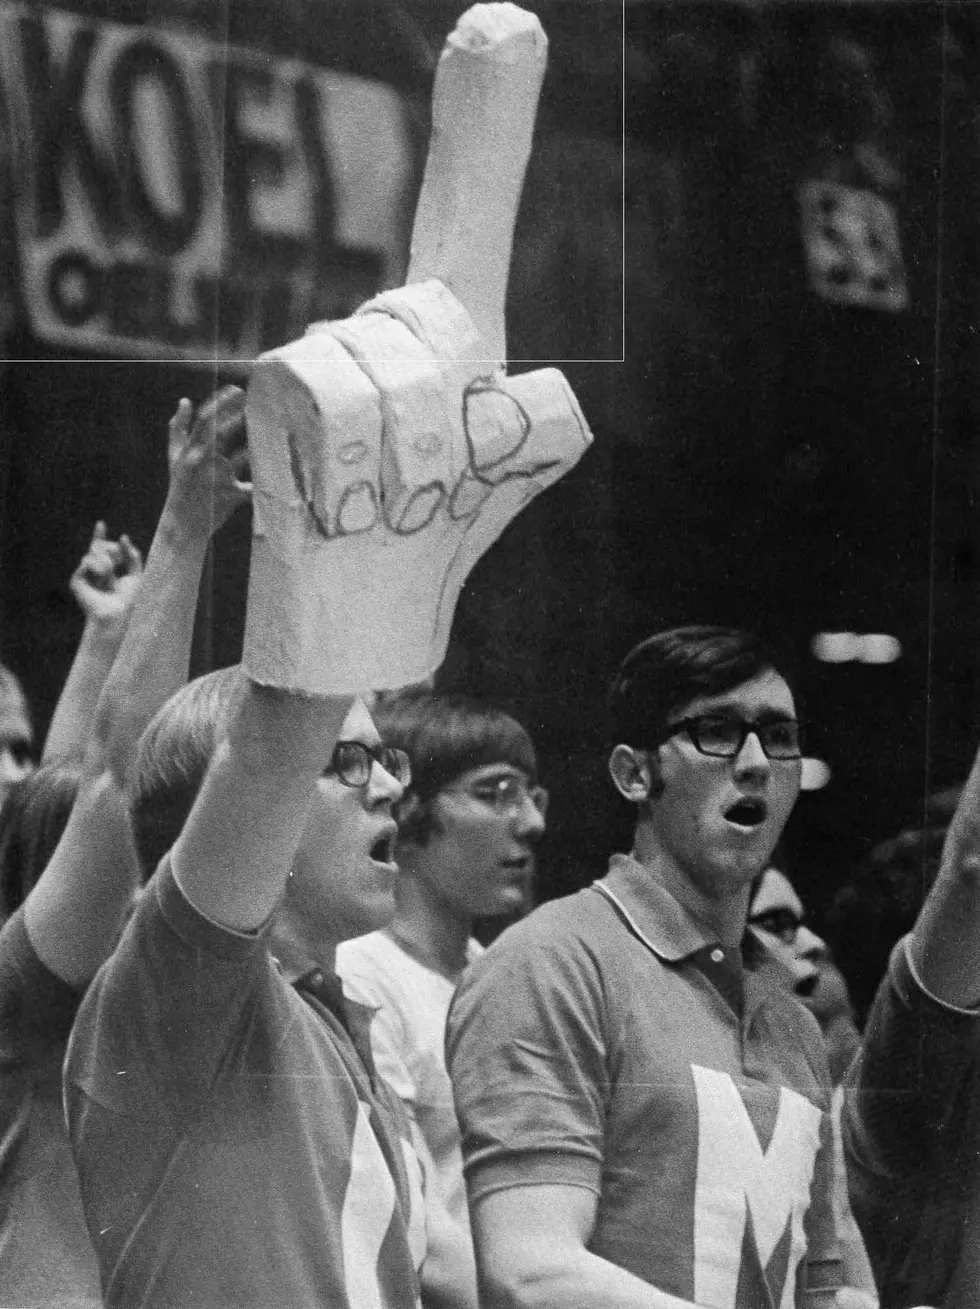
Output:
x,y
945,944
71,723
153,658
562,1279
235,851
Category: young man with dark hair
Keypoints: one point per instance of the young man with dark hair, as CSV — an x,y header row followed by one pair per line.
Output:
x,y
466,832
644,1114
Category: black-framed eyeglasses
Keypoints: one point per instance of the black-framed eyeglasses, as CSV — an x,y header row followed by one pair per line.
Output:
x,y
784,923
723,737
352,761
505,794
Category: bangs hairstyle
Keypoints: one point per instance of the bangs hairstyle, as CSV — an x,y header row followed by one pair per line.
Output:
x,y
664,673
32,819
444,736
173,756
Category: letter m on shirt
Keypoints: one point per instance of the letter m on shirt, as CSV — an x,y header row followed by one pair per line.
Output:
x,y
750,1200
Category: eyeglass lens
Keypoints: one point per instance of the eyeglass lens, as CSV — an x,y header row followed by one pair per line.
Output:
x,y
780,739
509,793
779,922
352,762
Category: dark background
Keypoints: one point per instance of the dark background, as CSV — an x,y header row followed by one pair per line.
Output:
x,y
762,458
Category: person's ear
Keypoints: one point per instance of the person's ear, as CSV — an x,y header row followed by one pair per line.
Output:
x,y
632,772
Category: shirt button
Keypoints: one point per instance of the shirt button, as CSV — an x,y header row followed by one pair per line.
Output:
x,y
316,978
717,956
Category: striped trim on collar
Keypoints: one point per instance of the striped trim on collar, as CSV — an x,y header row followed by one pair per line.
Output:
x,y
649,911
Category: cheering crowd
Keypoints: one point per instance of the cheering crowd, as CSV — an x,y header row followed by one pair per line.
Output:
x,y
252,1054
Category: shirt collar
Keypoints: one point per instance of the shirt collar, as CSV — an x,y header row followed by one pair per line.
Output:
x,y
650,911
315,977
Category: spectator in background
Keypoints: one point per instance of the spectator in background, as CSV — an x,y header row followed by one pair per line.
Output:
x,y
911,1115
802,962
67,863
777,914
466,834
644,1112
16,733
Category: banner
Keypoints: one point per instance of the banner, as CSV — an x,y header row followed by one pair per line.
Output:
x,y
179,199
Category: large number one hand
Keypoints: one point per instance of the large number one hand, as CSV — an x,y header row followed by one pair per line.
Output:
x,y
390,450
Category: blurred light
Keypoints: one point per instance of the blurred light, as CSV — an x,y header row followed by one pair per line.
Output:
x,y
835,647
854,647
881,649
814,774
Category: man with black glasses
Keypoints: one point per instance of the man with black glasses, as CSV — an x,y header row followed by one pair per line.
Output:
x,y
643,1110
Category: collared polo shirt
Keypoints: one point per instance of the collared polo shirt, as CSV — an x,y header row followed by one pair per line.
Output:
x,y
589,1047
233,1150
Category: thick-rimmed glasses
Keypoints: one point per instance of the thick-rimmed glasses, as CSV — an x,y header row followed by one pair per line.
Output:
x,y
723,738
352,761
504,795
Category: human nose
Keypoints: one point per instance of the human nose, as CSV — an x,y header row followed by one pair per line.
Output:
x,y
383,787
529,819
810,946
751,757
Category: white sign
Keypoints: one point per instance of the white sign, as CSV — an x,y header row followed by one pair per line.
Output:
x,y
180,199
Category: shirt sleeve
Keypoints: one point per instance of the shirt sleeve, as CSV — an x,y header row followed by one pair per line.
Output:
x,y
904,1086
909,1100
527,1060
158,1018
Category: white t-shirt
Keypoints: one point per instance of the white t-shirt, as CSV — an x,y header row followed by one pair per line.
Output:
x,y
407,1039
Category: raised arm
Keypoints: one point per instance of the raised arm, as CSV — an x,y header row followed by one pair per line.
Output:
x,y
944,948
74,913
105,585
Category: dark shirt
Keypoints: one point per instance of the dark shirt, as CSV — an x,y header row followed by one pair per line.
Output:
x,y
911,1127
46,1257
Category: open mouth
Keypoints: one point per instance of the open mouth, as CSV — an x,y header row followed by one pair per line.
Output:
x,y
748,812
383,849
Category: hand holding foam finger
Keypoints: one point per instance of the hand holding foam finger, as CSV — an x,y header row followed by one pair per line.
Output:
x,y
389,451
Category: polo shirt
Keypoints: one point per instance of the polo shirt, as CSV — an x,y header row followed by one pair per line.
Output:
x,y
911,1126
590,1047
233,1148
46,1257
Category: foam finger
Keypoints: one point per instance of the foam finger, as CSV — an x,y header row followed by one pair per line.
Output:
x,y
419,448
314,430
